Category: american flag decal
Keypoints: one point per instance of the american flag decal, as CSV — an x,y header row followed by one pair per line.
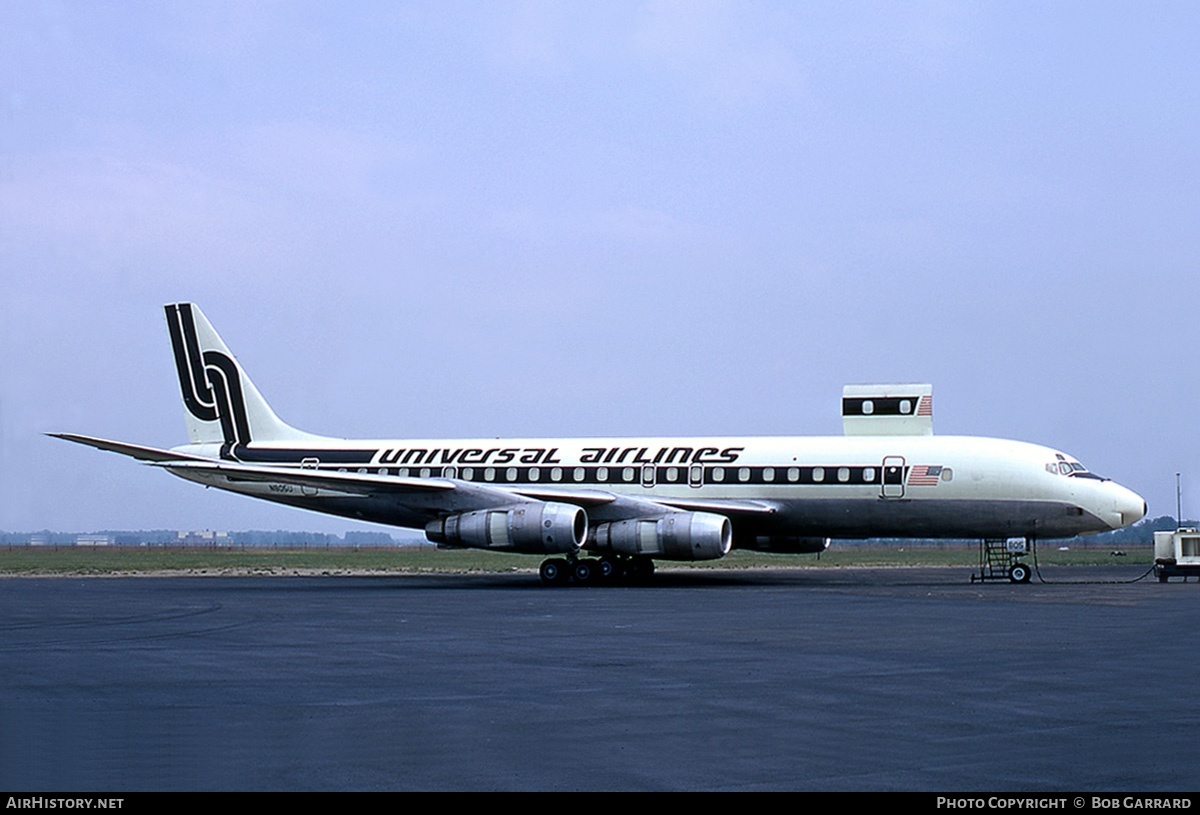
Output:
x,y
924,475
925,406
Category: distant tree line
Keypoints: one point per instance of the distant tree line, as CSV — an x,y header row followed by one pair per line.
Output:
x,y
171,537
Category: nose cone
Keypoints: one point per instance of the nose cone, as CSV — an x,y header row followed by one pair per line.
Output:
x,y
1128,505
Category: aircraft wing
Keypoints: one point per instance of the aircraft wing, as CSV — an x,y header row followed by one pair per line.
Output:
x,y
631,507
466,495
352,483
428,496
378,485
721,507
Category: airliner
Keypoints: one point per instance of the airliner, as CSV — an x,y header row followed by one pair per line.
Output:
x,y
597,508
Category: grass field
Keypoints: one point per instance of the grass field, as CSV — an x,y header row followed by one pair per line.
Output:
x,y
101,560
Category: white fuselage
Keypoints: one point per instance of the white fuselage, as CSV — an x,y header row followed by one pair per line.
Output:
x,y
869,486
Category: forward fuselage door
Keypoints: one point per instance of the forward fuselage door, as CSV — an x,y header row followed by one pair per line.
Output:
x,y
892,483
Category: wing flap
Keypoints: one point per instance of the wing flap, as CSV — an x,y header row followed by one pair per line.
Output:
x,y
721,507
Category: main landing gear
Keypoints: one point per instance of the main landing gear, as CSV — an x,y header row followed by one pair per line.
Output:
x,y
586,571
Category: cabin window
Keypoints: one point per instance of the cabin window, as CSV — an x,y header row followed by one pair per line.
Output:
x,y
793,474
579,473
947,474
818,474
468,473
868,407
718,474
743,474
869,475
424,472
489,474
905,407
402,472
534,473
768,473
627,473
556,474
510,474
843,474
672,474
602,474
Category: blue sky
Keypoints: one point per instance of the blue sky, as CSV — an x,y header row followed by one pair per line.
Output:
x,y
643,218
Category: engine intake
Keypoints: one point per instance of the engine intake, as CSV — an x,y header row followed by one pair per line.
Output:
x,y
535,528
677,536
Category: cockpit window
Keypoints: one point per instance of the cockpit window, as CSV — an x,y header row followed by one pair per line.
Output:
x,y
1061,466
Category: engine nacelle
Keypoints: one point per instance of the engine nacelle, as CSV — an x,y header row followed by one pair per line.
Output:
x,y
677,536
534,528
782,544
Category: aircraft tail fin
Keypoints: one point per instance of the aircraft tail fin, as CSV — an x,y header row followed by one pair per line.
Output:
x,y
887,410
221,404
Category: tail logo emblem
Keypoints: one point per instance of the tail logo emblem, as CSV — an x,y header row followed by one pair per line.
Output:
x,y
209,380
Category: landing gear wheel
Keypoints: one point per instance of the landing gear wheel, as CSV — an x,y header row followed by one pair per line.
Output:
x,y
607,568
555,572
1019,573
585,571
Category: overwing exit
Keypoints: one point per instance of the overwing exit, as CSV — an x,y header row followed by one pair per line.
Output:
x,y
601,507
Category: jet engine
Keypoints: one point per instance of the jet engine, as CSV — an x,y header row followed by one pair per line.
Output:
x,y
677,536
782,544
534,528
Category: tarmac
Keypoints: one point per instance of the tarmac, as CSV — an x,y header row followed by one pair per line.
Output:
x,y
786,679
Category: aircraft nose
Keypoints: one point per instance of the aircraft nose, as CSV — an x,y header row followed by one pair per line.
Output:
x,y
1130,506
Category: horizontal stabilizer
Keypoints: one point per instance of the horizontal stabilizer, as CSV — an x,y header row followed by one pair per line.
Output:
x,y
887,410
137,451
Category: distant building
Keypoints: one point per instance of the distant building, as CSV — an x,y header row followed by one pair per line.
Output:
x,y
93,540
204,537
